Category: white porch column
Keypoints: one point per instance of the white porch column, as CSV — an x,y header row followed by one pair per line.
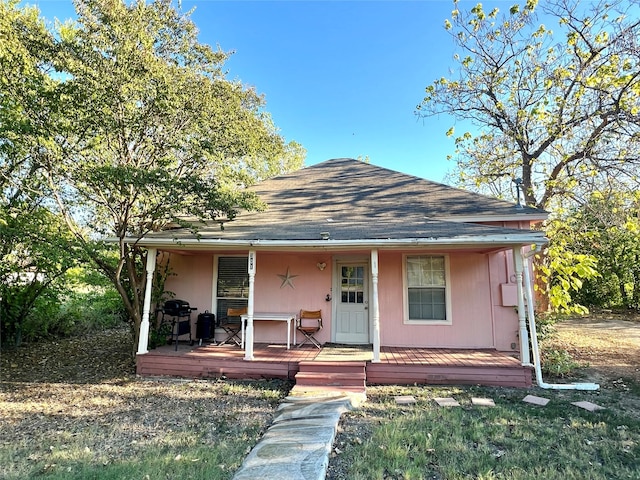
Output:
x,y
143,337
375,307
524,336
248,341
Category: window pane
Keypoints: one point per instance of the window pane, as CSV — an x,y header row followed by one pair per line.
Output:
x,y
415,268
437,263
438,278
352,284
425,271
427,304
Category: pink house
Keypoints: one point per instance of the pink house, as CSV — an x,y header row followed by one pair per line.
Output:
x,y
394,262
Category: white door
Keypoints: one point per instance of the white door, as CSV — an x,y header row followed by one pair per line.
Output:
x,y
352,319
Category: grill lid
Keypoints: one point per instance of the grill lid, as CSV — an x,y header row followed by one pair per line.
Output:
x,y
176,307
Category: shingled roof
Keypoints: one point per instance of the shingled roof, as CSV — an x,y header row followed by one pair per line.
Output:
x,y
347,188
353,201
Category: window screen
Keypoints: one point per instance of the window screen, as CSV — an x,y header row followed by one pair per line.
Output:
x,y
232,288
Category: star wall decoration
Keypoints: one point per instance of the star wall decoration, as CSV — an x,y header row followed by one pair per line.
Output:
x,y
287,279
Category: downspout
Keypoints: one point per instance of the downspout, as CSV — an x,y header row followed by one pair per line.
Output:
x,y
522,318
534,336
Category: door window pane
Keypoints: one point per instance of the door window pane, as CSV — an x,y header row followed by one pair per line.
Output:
x,y
352,284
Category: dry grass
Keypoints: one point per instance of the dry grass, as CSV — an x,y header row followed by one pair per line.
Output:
x,y
101,422
609,346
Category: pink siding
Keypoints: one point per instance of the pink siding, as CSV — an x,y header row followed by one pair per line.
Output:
x,y
191,280
471,308
311,287
506,318
478,319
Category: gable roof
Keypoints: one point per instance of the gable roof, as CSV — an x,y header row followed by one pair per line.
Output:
x,y
356,203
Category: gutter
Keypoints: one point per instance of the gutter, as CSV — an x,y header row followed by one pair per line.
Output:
x,y
533,217
506,240
534,336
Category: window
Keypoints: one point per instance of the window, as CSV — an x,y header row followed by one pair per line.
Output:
x,y
232,285
426,289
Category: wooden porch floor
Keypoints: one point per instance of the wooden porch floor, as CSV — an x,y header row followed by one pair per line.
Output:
x,y
397,365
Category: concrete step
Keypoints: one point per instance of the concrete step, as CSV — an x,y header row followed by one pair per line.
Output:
x,y
331,378
322,390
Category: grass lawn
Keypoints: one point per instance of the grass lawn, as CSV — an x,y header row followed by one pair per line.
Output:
x,y
513,440
71,409
132,429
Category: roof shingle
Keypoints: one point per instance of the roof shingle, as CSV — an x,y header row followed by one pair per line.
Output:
x,y
352,200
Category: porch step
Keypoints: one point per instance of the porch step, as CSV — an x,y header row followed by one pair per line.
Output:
x,y
332,379
335,367
331,376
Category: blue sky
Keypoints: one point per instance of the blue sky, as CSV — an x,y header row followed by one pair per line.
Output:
x,y
342,78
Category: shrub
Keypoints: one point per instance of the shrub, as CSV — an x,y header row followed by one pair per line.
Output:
x,y
546,326
558,362
56,315
555,360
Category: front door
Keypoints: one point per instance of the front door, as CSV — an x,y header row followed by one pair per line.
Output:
x,y
352,319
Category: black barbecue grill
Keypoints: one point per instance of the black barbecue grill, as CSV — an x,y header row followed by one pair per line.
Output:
x,y
178,313
176,308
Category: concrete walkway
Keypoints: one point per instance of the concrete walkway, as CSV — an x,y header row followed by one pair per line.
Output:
x,y
298,443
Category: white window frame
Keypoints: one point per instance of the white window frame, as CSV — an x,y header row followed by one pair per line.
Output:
x,y
214,287
447,291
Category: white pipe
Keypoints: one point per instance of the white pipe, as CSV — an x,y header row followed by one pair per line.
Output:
x,y
522,317
534,336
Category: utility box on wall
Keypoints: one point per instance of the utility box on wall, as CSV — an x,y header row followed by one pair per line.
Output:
x,y
509,294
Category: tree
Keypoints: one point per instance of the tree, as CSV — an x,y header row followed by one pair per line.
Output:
x,y
36,248
558,109
607,227
145,130
563,270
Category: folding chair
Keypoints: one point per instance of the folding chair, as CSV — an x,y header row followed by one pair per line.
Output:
x,y
232,325
309,323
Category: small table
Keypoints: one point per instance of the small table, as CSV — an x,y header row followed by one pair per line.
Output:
x,y
271,316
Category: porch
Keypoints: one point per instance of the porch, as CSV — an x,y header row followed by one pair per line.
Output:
x,y
397,365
